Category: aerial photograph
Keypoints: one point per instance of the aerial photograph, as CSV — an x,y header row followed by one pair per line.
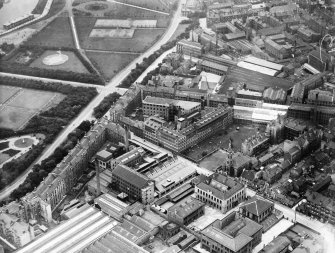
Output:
x,y
167,126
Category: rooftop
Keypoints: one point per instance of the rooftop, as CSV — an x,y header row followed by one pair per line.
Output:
x,y
73,235
186,105
131,176
256,205
185,207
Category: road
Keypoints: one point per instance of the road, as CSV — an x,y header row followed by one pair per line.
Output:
x,y
103,91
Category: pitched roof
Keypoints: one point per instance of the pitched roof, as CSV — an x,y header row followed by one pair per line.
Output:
x,y
131,176
256,205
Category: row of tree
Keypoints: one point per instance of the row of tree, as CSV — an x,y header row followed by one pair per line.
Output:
x,y
140,68
105,105
40,171
50,123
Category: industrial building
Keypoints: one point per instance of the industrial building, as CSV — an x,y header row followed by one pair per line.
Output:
x,y
231,234
75,234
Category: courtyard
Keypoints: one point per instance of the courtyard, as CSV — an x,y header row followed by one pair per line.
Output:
x,y
236,133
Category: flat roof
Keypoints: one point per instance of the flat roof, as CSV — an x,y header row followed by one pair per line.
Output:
x,y
83,229
171,172
264,63
186,105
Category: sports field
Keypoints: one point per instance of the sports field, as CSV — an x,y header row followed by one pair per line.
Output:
x,y
18,105
73,64
141,40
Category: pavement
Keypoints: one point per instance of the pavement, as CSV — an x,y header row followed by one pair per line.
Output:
x,y
103,91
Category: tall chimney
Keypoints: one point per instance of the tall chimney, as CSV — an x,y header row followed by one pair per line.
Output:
x,y
97,174
126,138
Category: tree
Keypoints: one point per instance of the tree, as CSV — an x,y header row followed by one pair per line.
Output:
x,y
85,126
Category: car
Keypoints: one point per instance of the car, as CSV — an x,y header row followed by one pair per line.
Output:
x,y
237,128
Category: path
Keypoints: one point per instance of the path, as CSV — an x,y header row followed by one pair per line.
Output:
x,y
139,7
110,52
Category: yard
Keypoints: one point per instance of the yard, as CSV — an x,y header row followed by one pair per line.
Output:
x,y
56,34
110,63
221,140
73,64
21,104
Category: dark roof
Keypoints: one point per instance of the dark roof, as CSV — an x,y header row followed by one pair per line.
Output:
x,y
131,176
255,80
277,245
256,205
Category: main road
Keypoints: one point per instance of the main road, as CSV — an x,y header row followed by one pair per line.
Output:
x,y
104,91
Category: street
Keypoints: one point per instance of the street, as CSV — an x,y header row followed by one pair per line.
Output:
x,y
103,91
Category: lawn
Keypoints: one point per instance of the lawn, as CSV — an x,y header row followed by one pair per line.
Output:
x,y
110,63
4,145
56,34
73,64
141,41
32,99
24,142
221,140
11,152
14,117
3,158
19,108
6,92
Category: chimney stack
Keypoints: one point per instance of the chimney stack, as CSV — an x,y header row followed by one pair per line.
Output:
x,y
97,174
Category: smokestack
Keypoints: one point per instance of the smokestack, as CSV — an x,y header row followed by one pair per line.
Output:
x,y
97,173
126,138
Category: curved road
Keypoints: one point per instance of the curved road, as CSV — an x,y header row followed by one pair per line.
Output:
x,y
104,91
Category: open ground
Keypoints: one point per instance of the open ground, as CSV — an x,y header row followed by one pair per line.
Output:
x,y
18,105
110,63
73,64
221,140
56,34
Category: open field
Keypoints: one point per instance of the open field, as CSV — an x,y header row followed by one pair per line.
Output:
x,y
6,92
23,104
142,39
110,63
73,64
56,34
221,140
4,145
14,117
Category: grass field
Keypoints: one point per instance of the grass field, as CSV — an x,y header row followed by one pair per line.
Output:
x,y
23,104
110,63
24,142
6,93
56,34
142,39
11,152
73,63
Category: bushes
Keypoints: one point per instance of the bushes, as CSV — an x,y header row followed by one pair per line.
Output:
x,y
105,104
